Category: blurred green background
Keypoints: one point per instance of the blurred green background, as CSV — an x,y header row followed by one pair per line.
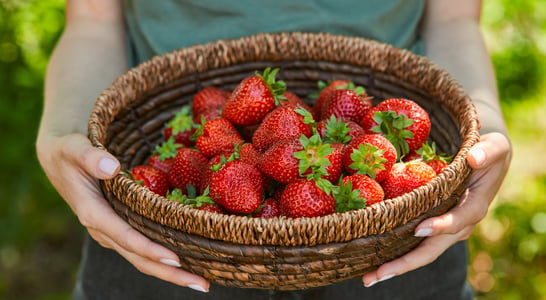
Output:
x,y
40,237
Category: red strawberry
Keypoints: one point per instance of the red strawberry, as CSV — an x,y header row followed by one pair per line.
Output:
x,y
253,98
303,198
163,155
429,154
368,189
247,153
334,130
208,99
217,136
293,99
325,90
401,121
405,177
350,104
181,126
187,169
202,202
281,123
325,160
154,179
370,154
218,159
270,208
279,163
237,186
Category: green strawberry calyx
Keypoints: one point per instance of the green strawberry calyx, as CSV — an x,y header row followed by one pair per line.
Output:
x,y
313,155
191,199
277,87
367,158
131,176
223,161
336,131
307,116
182,120
359,90
428,152
393,127
167,149
347,198
321,85
313,161
198,129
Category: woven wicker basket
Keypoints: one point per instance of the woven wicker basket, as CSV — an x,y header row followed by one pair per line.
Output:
x,y
280,253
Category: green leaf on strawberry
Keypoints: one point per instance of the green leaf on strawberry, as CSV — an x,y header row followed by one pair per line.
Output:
x,y
307,116
277,87
191,200
367,159
393,127
336,131
167,149
313,155
428,152
348,198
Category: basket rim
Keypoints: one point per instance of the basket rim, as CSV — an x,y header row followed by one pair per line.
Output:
x,y
117,95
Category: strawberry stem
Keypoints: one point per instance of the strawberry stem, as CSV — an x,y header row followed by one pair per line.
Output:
x,y
336,131
167,149
277,87
347,198
367,158
393,127
313,156
428,152
181,121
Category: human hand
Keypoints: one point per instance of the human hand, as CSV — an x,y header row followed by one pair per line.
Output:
x,y
489,159
74,166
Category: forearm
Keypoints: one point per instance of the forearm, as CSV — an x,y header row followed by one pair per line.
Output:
x,y
89,56
456,44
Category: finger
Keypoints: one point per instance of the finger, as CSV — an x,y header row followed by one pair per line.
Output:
x,y
117,234
427,252
492,147
491,158
469,211
98,163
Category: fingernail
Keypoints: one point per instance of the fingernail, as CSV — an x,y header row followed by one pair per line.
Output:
x,y
423,232
108,165
370,284
479,155
170,262
198,288
386,277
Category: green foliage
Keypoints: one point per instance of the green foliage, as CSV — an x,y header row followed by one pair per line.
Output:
x,y
32,215
508,248
516,30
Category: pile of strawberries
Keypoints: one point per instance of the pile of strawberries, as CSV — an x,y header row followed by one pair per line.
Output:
x,y
261,151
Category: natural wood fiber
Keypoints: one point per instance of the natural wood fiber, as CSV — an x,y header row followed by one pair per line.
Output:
x,y
281,253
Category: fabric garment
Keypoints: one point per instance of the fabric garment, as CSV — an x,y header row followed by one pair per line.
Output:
x,y
106,275
156,27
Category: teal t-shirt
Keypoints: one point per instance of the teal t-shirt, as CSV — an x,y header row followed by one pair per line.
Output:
x,y
155,27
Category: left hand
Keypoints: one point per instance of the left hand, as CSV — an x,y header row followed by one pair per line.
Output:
x,y
489,160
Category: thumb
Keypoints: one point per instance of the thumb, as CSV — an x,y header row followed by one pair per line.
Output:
x,y
98,163
492,147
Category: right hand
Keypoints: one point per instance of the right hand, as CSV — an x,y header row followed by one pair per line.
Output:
x,y
74,166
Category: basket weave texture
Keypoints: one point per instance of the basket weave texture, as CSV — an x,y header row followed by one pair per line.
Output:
x,y
280,253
